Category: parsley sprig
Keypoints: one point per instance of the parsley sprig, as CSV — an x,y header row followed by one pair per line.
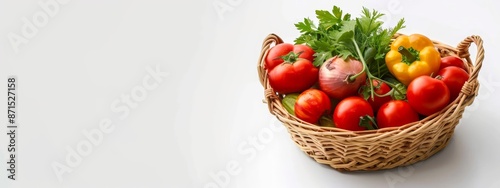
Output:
x,y
363,38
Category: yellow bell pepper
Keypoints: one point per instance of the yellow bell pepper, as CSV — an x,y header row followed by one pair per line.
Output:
x,y
412,56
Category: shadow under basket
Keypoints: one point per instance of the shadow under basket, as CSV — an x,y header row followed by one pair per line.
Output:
x,y
383,148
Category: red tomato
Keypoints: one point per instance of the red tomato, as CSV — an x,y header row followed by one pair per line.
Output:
x,y
452,61
311,105
454,78
427,95
290,68
395,113
290,78
380,89
349,111
274,57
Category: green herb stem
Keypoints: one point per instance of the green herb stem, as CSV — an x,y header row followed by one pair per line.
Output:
x,y
393,87
365,69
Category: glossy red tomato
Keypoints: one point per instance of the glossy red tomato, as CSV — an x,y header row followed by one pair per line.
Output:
x,y
349,111
454,78
311,105
427,95
274,57
290,68
381,88
293,77
396,113
452,61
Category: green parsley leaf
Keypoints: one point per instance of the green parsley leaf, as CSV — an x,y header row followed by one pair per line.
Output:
x,y
321,57
335,31
346,32
326,19
344,54
306,26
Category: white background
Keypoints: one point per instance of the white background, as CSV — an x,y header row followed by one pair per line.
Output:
x,y
204,114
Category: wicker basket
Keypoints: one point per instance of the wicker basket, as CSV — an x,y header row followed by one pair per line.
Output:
x,y
383,148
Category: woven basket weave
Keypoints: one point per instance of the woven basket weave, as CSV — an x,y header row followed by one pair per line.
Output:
x,y
383,148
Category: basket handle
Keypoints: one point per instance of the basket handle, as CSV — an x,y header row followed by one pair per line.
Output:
x,y
471,86
268,90
463,52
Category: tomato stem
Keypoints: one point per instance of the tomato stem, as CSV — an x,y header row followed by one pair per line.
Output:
x,y
368,122
291,57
